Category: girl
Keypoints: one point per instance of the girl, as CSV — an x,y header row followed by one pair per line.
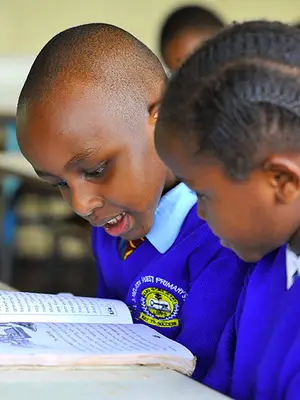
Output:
x,y
229,127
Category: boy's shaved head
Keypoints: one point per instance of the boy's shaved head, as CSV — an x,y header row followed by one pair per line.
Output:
x,y
85,121
99,53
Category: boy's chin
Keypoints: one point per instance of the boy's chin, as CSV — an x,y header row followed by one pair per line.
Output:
x,y
250,255
136,233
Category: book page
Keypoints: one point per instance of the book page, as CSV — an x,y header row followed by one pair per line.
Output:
x,y
85,344
36,307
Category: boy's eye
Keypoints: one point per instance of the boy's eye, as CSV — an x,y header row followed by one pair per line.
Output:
x,y
61,184
98,172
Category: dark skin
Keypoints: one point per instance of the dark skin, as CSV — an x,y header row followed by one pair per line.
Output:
x,y
179,48
253,216
102,159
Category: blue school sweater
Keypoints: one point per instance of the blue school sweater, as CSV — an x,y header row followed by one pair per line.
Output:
x,y
259,352
179,281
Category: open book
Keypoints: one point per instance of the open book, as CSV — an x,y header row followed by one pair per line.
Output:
x,y
69,331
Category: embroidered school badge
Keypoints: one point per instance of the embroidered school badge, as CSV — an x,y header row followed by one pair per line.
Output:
x,y
157,305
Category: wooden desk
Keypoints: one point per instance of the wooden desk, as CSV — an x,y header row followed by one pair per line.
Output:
x,y
139,383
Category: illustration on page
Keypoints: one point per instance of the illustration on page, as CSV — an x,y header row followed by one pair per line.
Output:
x,y
18,334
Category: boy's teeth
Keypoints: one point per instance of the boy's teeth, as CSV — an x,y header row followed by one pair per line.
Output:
x,y
113,221
116,219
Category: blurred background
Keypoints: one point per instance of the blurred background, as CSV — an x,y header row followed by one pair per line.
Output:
x,y
43,246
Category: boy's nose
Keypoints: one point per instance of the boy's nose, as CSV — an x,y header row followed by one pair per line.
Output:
x,y
83,204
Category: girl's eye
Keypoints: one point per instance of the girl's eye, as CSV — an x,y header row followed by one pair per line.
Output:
x,y
98,172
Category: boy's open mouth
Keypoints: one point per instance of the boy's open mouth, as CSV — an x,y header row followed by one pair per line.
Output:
x,y
117,225
115,220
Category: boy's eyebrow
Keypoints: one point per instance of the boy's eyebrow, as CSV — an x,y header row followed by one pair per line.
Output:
x,y
43,174
78,158
74,161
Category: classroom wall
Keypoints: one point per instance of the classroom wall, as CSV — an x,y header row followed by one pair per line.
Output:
x,y
26,25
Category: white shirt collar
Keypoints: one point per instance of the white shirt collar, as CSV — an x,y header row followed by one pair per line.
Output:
x,y
292,267
170,215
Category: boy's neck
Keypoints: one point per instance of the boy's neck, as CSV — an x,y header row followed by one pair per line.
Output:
x,y
171,182
168,188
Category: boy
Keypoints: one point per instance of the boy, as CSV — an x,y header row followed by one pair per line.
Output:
x,y
85,120
184,30
234,139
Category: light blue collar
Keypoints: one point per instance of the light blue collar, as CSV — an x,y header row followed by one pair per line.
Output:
x,y
169,217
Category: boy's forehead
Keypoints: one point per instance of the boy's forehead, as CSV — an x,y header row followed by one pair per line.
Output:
x,y
74,112
68,123
47,149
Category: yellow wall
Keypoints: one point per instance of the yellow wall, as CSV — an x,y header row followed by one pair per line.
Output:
x,y
26,25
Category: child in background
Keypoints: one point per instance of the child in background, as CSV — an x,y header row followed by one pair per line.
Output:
x,y
185,30
235,140
85,121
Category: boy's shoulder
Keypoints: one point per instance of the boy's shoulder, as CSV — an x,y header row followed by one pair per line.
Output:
x,y
175,216
177,233
193,238
162,237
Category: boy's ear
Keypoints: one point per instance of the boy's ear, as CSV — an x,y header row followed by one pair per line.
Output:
x,y
283,174
153,113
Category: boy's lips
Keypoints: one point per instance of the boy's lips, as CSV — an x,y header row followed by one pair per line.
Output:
x,y
100,222
117,225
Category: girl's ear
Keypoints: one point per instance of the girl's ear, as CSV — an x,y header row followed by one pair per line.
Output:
x,y
284,176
